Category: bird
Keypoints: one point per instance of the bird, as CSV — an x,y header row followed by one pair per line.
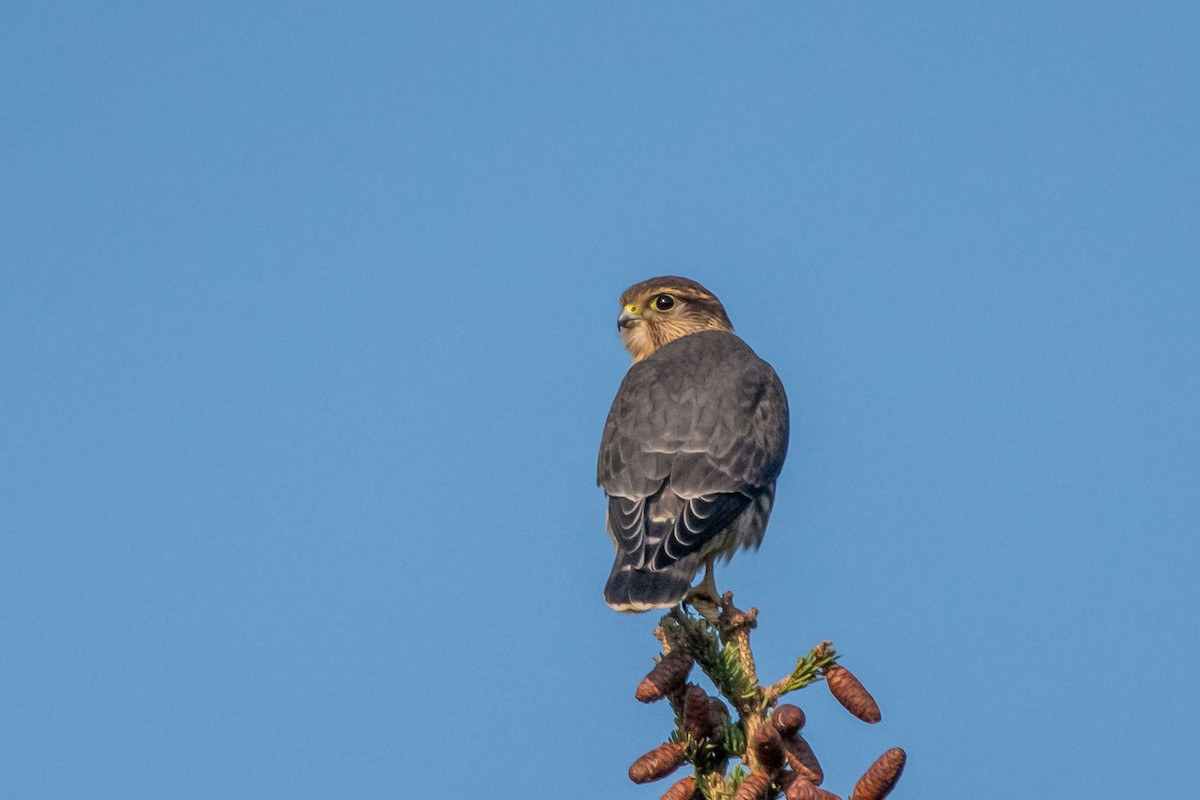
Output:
x,y
692,446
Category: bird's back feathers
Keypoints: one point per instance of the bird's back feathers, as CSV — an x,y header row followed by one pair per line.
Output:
x,y
693,443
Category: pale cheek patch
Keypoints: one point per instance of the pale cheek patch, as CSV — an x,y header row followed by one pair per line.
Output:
x,y
637,341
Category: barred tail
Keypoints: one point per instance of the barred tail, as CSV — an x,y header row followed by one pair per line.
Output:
x,y
632,590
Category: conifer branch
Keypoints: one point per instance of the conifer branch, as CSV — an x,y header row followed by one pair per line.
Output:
x,y
761,755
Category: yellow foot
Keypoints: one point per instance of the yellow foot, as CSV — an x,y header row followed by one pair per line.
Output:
x,y
704,598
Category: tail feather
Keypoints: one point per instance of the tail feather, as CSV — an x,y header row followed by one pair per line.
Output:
x,y
632,590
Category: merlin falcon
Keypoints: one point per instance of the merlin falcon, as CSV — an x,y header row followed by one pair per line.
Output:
x,y
695,439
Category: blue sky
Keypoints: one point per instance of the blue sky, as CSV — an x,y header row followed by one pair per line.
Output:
x,y
307,338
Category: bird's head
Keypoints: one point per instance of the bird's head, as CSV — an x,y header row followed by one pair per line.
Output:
x,y
662,310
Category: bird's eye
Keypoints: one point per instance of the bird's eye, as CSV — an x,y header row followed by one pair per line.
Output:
x,y
664,302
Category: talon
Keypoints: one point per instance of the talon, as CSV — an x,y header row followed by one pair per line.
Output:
x,y
706,592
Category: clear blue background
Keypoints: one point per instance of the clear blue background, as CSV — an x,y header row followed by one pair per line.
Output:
x,y
307,338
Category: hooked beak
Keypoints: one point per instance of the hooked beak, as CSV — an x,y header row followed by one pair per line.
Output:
x,y
627,319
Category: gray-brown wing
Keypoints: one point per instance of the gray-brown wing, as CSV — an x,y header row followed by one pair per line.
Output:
x,y
696,432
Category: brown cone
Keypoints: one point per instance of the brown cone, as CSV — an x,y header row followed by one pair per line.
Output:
x,y
803,789
697,712
718,712
802,759
768,746
667,676
754,787
881,776
852,694
658,763
788,719
683,790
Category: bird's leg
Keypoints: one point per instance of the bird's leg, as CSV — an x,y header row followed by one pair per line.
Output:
x,y
708,586
705,597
